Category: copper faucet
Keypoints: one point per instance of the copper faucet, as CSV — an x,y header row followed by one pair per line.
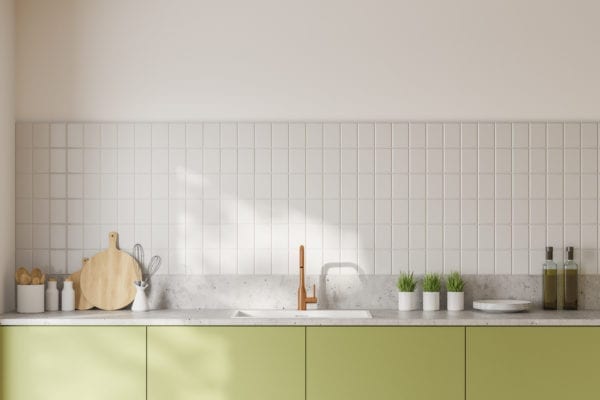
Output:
x,y
302,299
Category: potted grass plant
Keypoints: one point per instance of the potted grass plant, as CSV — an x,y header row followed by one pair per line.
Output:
x,y
456,294
407,297
432,284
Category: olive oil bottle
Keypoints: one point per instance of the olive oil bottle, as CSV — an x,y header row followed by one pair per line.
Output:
x,y
570,281
550,283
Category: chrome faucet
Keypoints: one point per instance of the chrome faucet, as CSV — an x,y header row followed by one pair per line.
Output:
x,y
302,299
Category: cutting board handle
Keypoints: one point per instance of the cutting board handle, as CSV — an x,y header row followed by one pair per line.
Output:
x,y
113,237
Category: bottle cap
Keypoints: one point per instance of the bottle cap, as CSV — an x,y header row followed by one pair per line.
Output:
x,y
549,253
570,251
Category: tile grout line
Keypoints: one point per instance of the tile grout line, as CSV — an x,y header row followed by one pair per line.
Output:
x,y
425,201
220,147
408,197
202,150
512,147
478,222
443,196
579,195
391,200
564,198
322,197
152,126
460,225
493,127
460,191
186,267
339,150
305,181
374,197
546,181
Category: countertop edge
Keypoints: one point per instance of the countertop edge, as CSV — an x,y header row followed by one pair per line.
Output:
x,y
224,318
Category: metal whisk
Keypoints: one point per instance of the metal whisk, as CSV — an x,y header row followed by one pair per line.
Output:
x,y
138,254
153,266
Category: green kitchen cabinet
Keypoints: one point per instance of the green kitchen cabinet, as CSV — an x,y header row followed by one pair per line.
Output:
x,y
400,363
64,363
226,363
523,363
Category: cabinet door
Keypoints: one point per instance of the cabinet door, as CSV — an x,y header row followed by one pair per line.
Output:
x,y
65,363
532,363
358,363
226,363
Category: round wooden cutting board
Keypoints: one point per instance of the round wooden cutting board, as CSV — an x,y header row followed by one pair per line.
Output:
x,y
107,278
81,302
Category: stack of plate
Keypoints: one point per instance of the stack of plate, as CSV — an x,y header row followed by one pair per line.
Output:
x,y
500,306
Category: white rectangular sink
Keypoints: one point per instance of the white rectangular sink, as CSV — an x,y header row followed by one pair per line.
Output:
x,y
296,314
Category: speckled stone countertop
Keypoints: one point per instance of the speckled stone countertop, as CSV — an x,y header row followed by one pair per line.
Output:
x,y
380,318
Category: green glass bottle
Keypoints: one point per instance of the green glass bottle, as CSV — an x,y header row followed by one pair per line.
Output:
x,y
550,283
571,272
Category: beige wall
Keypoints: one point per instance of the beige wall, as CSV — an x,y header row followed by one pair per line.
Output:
x,y
315,59
7,155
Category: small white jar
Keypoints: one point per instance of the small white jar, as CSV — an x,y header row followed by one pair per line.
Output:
x,y
407,301
30,298
68,296
456,301
51,296
431,301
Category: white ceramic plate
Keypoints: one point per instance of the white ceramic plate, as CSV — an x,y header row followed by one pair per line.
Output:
x,y
501,305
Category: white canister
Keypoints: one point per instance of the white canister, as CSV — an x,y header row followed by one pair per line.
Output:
x,y
431,301
456,301
51,296
407,301
30,298
68,296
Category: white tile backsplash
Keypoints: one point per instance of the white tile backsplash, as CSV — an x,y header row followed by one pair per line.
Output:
x,y
380,198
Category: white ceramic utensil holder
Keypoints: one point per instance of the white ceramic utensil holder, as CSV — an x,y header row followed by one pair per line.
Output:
x,y
431,301
456,301
407,301
140,303
30,298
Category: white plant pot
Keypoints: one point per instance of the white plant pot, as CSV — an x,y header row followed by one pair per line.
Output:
x,y
30,298
407,301
431,301
456,301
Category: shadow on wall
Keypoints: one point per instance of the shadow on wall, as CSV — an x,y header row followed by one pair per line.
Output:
x,y
239,221
327,297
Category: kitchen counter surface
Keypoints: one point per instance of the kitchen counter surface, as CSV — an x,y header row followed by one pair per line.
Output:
x,y
380,318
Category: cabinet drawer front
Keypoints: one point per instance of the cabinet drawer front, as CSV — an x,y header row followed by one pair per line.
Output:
x,y
72,362
532,363
249,363
385,363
